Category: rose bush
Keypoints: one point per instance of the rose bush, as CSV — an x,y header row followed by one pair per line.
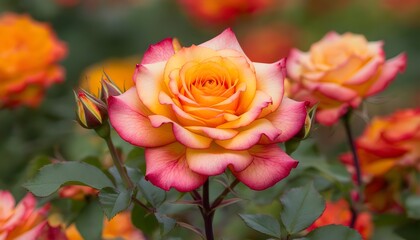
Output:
x,y
340,71
29,53
202,109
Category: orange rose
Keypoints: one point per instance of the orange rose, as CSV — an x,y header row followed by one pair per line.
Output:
x,y
119,227
29,52
21,222
339,72
339,213
388,149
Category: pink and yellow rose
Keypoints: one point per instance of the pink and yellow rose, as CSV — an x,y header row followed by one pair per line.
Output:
x,y
339,213
202,109
22,221
29,55
388,150
339,72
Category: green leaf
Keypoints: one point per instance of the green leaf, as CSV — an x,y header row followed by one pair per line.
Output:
x,y
53,176
333,232
262,223
301,207
90,221
412,204
154,195
166,223
134,174
292,145
144,221
114,201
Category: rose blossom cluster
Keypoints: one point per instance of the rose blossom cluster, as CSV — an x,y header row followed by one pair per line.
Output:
x,y
388,150
339,72
29,56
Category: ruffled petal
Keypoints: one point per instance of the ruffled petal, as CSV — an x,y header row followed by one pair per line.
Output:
x,y
159,52
389,72
215,160
269,165
289,118
181,134
126,113
270,79
251,135
167,167
225,40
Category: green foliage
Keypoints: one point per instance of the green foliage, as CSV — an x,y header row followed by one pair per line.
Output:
x,y
166,223
412,204
53,176
262,223
333,232
90,221
143,220
154,195
301,207
114,201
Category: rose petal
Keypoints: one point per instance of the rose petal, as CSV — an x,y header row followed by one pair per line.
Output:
x,y
214,133
167,167
159,52
251,134
270,79
215,160
181,134
126,114
260,101
389,72
149,84
34,233
289,118
269,165
332,90
225,40
294,69
330,116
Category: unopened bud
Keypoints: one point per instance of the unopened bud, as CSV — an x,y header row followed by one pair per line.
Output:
x,y
108,89
91,112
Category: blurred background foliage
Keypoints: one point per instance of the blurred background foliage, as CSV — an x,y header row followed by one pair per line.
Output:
x,y
98,30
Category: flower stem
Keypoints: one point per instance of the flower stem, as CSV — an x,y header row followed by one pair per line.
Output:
x,y
356,163
118,163
227,190
207,212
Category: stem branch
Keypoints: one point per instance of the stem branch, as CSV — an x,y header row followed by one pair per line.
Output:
x,y
207,212
118,163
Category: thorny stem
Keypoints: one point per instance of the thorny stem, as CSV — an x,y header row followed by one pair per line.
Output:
x,y
356,163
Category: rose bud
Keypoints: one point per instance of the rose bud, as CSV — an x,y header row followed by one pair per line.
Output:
x,y
108,88
91,112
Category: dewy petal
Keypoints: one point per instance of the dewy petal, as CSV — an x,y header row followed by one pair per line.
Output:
x,y
159,52
251,134
289,118
269,165
149,84
225,40
329,117
183,135
126,116
389,72
260,101
167,167
214,160
270,79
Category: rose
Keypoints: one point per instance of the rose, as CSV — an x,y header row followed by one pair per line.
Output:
x,y
339,213
339,72
387,150
29,52
201,109
23,221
